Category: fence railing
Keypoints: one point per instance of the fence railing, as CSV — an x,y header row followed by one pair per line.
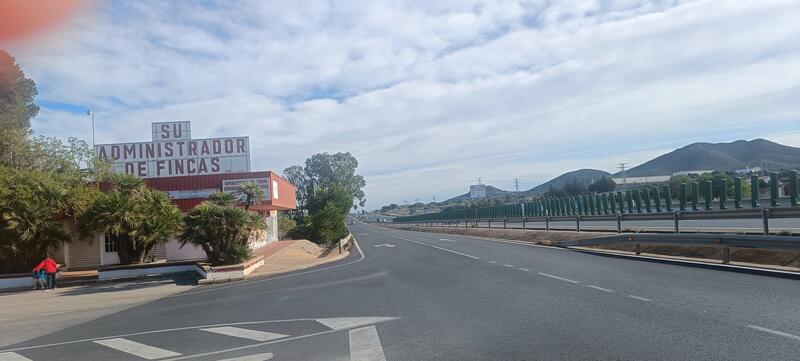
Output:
x,y
650,203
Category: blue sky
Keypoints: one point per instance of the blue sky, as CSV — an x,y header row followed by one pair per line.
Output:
x,y
429,96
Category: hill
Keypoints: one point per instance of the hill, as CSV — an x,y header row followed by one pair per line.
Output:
x,y
585,176
491,192
722,157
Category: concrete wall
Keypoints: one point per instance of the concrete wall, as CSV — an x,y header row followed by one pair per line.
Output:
x,y
174,251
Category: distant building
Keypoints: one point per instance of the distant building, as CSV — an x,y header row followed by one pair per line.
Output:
x,y
748,170
698,172
628,181
477,191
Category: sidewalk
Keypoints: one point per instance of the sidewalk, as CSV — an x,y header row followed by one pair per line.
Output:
x,y
64,307
286,256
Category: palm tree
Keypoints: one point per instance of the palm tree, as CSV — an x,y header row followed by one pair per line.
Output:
x,y
223,199
253,194
222,230
35,229
135,217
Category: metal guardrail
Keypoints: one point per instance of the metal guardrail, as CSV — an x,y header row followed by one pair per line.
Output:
x,y
724,241
765,214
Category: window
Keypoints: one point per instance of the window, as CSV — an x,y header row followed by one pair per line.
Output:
x,y
109,245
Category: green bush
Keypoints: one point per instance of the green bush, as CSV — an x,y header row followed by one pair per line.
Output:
x,y
222,230
286,226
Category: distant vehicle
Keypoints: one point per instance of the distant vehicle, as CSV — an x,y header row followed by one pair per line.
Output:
x,y
352,222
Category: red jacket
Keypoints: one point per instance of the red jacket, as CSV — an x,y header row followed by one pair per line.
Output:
x,y
49,265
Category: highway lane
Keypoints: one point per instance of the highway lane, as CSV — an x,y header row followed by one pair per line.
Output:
x,y
445,297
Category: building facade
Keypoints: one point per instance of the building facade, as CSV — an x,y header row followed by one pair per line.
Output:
x,y
188,171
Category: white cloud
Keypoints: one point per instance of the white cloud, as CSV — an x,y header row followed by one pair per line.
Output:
x,y
431,95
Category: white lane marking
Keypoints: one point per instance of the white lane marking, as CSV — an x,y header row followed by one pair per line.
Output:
x,y
340,323
137,349
775,332
256,357
11,356
523,269
495,262
439,248
245,333
508,265
639,298
600,288
388,245
556,277
365,345
446,240
260,344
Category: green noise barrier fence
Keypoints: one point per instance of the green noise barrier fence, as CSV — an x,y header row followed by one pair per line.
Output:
x,y
630,203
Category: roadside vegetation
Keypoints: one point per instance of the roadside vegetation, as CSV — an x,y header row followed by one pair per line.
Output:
x,y
223,229
328,188
136,218
44,182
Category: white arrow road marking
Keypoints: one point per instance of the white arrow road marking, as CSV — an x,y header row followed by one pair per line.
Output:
x,y
256,357
384,245
339,323
11,356
137,349
365,345
245,333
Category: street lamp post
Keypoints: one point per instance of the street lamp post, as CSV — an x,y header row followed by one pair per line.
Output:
x,y
90,113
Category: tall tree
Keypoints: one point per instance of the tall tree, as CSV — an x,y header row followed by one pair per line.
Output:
x,y
17,107
602,185
324,170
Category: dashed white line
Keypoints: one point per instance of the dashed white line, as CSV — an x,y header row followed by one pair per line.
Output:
x,y
244,333
774,332
556,277
446,240
137,349
523,269
600,288
508,265
639,298
439,248
256,357
495,262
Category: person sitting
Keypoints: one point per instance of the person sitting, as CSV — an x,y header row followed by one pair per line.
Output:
x,y
50,267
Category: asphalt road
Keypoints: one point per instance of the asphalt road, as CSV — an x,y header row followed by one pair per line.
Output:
x,y
420,296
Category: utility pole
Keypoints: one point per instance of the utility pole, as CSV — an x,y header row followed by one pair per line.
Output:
x,y
622,166
516,187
